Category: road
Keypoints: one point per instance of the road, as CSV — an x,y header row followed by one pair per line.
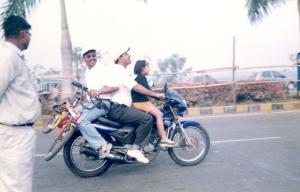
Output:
x,y
249,153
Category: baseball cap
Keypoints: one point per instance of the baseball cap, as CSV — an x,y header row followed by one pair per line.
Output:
x,y
118,52
87,49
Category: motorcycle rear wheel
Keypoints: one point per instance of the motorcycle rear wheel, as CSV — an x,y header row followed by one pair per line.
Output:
x,y
82,165
190,155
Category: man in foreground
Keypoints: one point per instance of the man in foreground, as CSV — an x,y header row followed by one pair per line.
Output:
x,y
20,107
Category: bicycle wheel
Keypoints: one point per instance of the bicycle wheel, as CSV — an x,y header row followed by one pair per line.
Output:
x,y
60,141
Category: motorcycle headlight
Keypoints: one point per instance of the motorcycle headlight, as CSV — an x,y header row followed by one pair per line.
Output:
x,y
181,109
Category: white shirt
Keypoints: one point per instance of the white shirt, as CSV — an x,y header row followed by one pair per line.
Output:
x,y
19,101
126,83
99,76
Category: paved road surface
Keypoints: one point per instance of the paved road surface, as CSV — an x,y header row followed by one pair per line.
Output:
x,y
249,153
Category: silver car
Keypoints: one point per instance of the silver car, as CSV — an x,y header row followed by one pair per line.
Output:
x,y
273,75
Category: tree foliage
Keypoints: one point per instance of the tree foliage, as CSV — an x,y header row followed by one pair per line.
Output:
x,y
171,69
17,7
257,9
172,64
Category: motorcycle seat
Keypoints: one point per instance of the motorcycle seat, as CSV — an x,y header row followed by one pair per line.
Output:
x,y
108,122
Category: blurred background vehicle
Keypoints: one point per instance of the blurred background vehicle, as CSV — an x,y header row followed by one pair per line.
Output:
x,y
273,75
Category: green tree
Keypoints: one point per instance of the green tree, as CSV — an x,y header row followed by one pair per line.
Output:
x,y
171,69
257,9
77,62
21,7
17,7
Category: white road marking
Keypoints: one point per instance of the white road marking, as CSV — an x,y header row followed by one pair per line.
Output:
x,y
212,142
244,140
43,154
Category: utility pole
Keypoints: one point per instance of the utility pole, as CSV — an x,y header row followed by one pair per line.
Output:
x,y
298,73
298,57
233,73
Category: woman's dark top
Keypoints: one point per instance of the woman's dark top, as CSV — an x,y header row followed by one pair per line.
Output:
x,y
137,97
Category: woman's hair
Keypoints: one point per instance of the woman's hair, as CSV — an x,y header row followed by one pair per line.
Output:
x,y
139,66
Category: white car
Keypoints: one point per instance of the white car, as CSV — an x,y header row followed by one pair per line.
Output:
x,y
273,75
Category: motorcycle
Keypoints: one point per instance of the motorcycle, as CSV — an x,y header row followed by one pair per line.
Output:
x,y
192,140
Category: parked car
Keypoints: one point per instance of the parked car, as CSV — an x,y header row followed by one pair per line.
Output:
x,y
273,75
202,79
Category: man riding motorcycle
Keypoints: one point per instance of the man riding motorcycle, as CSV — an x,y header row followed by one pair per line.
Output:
x,y
119,107
96,107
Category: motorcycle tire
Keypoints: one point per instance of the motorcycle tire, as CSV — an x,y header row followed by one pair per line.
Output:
x,y
177,153
69,158
59,143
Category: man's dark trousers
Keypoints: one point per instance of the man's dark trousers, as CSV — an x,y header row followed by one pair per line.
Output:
x,y
128,115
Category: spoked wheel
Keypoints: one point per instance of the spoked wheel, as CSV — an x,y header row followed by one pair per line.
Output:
x,y
193,154
83,164
60,141
51,124
54,121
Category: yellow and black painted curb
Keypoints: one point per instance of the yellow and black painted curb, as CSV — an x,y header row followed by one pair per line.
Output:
x,y
215,110
245,108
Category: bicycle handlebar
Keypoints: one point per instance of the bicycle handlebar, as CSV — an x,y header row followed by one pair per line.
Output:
x,y
79,85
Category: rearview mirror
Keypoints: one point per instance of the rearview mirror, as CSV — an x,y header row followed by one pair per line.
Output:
x,y
165,88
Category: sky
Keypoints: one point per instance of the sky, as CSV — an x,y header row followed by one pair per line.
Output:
x,y
200,31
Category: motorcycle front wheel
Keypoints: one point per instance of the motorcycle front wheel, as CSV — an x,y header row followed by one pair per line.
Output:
x,y
193,154
83,165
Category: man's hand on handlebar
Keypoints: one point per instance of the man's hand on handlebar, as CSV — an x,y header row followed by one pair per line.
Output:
x,y
159,96
93,93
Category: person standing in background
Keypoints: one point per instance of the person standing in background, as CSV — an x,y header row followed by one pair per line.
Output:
x,y
55,93
20,108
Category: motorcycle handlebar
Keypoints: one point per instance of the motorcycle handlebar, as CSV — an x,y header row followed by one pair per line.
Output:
x,y
79,85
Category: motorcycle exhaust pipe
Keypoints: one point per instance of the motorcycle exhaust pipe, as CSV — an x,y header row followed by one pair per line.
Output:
x,y
91,152
115,157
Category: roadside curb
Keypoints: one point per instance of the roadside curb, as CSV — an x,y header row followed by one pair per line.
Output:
x,y
218,110
247,108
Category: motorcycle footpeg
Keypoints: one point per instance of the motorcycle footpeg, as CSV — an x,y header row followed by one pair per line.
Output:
x,y
149,148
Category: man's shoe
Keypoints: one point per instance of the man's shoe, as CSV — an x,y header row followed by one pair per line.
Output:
x,y
138,155
104,150
167,143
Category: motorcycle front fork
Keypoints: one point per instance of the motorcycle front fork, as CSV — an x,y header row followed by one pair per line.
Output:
x,y
178,125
